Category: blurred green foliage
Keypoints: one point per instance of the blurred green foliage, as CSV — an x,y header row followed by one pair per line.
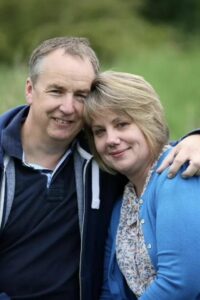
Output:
x,y
23,24
158,39
113,26
182,13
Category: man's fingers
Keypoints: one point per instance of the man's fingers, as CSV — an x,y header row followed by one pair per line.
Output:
x,y
175,166
186,151
192,169
174,161
167,161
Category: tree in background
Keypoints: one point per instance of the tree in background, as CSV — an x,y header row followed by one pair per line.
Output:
x,y
113,26
24,24
182,13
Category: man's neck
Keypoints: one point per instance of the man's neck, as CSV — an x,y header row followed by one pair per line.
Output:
x,y
46,153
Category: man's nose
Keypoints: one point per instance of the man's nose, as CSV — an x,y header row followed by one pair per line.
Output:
x,y
68,103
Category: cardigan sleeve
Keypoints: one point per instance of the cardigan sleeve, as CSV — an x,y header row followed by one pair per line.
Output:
x,y
177,233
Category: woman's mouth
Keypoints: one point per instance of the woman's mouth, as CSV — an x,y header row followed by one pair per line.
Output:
x,y
118,153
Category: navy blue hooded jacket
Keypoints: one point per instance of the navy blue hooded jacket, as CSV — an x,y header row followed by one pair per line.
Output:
x,y
96,193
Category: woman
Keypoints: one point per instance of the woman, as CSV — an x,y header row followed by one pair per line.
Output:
x,y
153,245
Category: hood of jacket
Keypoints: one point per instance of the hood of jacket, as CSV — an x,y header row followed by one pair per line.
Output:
x,y
5,120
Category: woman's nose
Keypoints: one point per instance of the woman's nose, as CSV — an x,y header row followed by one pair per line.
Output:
x,y
112,138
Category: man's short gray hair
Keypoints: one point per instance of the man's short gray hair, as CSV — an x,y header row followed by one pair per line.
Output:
x,y
75,46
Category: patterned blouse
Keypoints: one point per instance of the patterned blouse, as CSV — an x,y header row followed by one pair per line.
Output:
x,y
131,251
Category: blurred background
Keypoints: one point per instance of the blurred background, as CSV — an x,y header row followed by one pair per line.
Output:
x,y
158,39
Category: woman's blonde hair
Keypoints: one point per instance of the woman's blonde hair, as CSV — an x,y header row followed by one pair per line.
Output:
x,y
128,94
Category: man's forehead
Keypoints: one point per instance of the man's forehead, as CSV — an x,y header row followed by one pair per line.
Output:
x,y
58,60
66,78
70,75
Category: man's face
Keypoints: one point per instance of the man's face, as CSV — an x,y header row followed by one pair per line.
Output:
x,y
57,98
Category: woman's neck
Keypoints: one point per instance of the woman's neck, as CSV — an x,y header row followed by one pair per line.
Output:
x,y
139,178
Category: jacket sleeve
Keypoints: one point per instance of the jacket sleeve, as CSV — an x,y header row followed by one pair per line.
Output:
x,y
177,230
195,131
4,296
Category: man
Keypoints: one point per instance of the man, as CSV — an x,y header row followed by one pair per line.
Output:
x,y
53,224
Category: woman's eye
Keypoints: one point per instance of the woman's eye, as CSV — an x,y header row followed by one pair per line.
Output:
x,y
122,124
98,132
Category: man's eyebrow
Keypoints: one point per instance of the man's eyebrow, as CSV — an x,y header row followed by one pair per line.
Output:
x,y
62,88
86,91
55,86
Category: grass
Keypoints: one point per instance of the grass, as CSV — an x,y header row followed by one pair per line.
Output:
x,y
173,73
12,86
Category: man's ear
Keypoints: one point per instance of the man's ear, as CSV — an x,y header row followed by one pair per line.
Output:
x,y
29,91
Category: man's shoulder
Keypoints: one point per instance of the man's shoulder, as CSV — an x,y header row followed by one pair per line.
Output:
x,y
6,117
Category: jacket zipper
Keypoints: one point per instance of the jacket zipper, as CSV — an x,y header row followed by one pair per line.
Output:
x,y
82,228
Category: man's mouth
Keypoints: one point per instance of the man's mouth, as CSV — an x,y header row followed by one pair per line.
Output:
x,y
63,121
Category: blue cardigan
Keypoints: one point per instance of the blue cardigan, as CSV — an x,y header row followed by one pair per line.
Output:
x,y
171,214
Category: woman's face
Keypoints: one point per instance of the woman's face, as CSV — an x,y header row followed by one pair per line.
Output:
x,y
121,144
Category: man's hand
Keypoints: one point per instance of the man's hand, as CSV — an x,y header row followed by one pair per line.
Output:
x,y
187,150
